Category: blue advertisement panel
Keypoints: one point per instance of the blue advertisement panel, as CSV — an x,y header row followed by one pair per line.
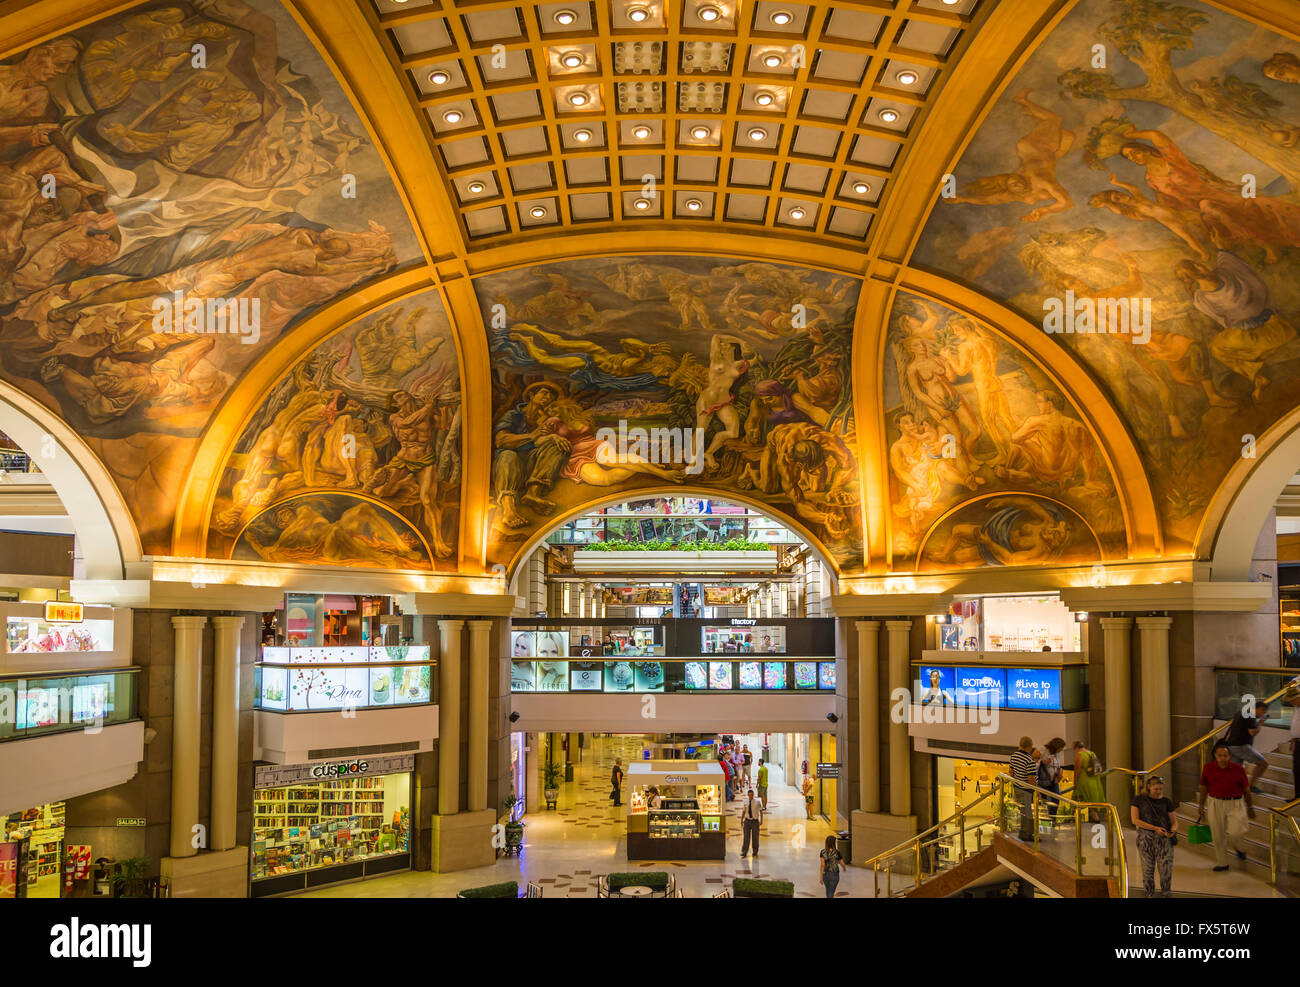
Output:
x,y
935,684
1033,688
981,686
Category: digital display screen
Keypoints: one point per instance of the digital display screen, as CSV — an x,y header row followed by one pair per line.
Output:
x,y
523,676
697,675
719,675
805,675
649,676
774,675
1033,688
936,685
981,686
584,676
751,675
826,675
619,676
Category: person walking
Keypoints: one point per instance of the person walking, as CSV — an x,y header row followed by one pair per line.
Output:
x,y
1088,785
748,759
762,783
808,795
751,818
616,782
1228,790
1049,774
1157,835
1024,772
830,866
1240,738
1292,698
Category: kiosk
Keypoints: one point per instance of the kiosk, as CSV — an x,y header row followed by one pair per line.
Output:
x,y
689,823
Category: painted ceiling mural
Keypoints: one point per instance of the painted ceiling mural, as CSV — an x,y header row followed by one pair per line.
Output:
x,y
1166,177
174,193
354,458
741,367
968,414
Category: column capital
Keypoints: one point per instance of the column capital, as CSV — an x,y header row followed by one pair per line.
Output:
x,y
226,621
479,625
899,625
188,620
1115,623
867,625
450,625
1155,623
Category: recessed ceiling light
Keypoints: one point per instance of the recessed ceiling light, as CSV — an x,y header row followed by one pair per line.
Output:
x,y
796,213
862,188
907,77
578,99
700,133
642,204
537,212
565,17
582,136
439,78
452,116
694,205
772,61
781,17
641,132
889,116
764,99
950,3
757,134
708,13
475,187
572,60
637,14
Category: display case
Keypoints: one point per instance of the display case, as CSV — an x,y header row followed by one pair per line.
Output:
x,y
675,824
687,823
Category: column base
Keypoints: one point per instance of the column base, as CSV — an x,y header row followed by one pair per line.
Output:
x,y
462,841
210,874
876,832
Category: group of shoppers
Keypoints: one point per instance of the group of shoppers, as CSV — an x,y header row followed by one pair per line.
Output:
x,y
1032,768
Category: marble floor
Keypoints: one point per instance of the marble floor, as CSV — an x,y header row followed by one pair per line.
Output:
x,y
568,849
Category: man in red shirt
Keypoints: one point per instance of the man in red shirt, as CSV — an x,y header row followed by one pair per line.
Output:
x,y
1228,789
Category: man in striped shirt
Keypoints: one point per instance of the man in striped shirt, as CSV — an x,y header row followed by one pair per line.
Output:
x,y
1024,770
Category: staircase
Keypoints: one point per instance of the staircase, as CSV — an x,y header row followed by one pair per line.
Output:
x,y
1276,784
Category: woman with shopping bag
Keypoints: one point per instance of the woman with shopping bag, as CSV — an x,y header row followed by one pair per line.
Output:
x,y
1227,789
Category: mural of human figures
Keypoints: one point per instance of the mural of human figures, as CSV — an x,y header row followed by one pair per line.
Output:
x,y
332,529
967,413
1169,175
174,192
375,410
746,365
1009,530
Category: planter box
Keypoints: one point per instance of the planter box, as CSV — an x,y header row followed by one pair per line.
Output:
x,y
589,561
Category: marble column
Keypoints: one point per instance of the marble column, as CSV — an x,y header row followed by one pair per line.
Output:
x,y
186,696
1156,732
869,713
900,753
1117,633
449,717
478,713
225,731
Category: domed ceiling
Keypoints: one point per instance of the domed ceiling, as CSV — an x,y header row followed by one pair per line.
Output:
x,y
460,251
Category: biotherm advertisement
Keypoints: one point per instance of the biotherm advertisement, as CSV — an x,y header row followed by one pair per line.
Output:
x,y
936,685
980,686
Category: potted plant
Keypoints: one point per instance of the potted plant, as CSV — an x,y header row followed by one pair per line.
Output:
x,y
551,774
129,879
514,827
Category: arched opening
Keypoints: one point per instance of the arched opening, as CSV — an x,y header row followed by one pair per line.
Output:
x,y
107,540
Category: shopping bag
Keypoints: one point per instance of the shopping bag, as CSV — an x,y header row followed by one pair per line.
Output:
x,y
1199,833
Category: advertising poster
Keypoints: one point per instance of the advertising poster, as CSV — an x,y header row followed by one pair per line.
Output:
x,y
719,675
774,675
751,675
826,675
523,677
697,675
551,644
584,676
649,676
936,685
1033,688
980,686
805,675
552,676
619,676
523,644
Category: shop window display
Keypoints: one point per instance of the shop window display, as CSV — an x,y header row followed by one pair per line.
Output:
x,y
43,829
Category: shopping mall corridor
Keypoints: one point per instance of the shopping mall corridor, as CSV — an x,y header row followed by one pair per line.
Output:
x,y
568,849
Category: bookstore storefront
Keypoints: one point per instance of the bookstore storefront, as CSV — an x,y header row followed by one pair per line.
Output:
x,y
31,855
330,821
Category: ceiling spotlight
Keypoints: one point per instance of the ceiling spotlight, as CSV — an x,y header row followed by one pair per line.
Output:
x,y
641,132
757,134
889,116
772,61
781,17
950,3
796,213
862,188
439,78
907,77
565,17
637,14
700,133
582,136
453,116
764,99
642,204
578,99
694,205
475,187
708,13
537,212
572,60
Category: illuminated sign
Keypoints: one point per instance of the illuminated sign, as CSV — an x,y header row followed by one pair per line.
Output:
x,y
64,613
1033,688
743,621
338,769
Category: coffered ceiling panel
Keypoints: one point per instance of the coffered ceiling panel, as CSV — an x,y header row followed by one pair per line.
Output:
x,y
786,116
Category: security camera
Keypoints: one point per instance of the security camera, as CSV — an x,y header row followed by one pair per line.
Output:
x,y
514,717
832,717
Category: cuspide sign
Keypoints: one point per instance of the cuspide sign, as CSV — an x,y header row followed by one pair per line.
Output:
x,y
276,775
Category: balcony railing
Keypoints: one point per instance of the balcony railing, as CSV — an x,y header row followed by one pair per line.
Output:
x,y
64,702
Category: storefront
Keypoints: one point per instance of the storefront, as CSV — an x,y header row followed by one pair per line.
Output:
x,y
1010,623
675,812
330,821
958,782
32,856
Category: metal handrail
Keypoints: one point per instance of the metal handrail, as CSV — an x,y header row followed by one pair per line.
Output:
x,y
1117,862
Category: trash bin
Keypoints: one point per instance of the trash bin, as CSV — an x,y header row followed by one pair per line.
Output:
x,y
844,844
568,771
